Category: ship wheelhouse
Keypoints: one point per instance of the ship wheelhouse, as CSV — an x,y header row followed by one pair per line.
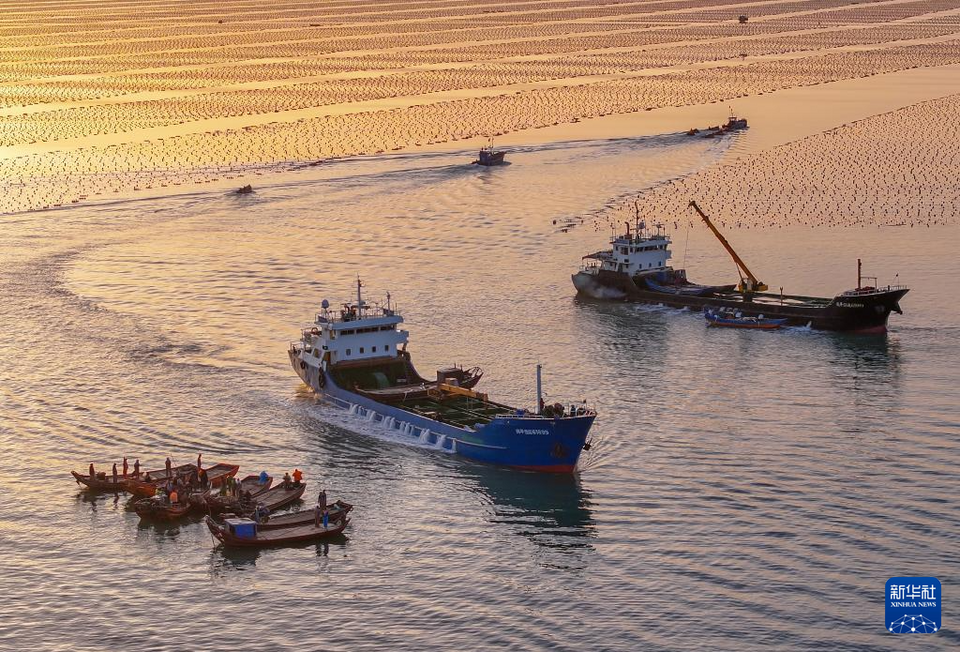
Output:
x,y
632,254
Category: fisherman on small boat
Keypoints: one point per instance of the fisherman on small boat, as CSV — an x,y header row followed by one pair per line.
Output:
x,y
136,468
93,474
264,477
114,473
286,480
199,466
297,477
169,468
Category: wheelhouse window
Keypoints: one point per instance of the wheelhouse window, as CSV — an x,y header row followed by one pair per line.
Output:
x,y
348,352
361,349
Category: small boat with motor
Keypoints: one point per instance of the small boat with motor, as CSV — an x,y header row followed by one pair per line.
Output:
x,y
336,512
212,502
730,319
247,533
356,359
146,484
278,496
732,124
635,269
489,156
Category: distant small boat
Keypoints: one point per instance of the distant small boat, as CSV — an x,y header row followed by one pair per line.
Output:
x,y
733,123
489,156
245,190
242,532
736,320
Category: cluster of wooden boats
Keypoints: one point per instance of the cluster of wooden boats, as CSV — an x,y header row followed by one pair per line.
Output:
x,y
238,512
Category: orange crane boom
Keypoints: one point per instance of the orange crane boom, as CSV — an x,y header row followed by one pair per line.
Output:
x,y
748,282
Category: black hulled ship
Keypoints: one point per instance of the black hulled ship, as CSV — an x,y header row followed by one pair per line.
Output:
x,y
635,269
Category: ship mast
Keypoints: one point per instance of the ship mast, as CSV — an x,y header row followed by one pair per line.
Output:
x,y
748,282
359,298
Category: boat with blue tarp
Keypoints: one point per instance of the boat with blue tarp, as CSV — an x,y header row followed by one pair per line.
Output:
x,y
355,358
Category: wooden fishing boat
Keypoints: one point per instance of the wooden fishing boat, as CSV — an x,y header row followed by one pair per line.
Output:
x,y
736,320
280,496
146,485
242,532
335,512
159,509
100,482
219,472
213,503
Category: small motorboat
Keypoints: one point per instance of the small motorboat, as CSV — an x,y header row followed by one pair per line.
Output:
x,y
336,511
277,497
489,156
245,190
736,320
243,532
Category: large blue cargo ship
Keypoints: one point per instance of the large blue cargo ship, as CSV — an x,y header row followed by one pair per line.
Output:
x,y
356,358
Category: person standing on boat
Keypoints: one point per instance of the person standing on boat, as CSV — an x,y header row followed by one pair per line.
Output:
x,y
169,468
286,480
297,477
125,467
322,508
199,455
114,473
136,468
264,477
93,474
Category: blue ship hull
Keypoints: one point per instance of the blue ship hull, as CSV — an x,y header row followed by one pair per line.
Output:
x,y
529,442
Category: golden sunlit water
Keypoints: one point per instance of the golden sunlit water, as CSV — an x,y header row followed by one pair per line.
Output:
x,y
744,490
